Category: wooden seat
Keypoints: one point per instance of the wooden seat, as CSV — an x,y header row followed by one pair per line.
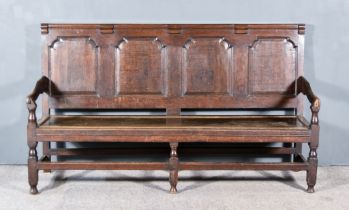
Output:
x,y
177,122
216,123
175,128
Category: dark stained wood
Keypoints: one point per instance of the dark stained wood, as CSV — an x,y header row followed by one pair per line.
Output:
x,y
46,154
141,66
102,166
173,167
254,137
242,166
164,166
277,56
173,67
202,75
160,129
181,122
183,151
304,87
41,86
78,74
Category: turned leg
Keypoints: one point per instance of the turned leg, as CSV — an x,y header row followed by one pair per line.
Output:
x,y
33,172
173,166
313,145
312,170
33,175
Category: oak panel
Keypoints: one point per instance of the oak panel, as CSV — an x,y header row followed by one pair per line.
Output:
x,y
140,66
272,66
206,67
73,65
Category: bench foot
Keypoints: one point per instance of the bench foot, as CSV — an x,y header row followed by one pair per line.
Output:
x,y
173,181
311,179
34,190
310,189
173,190
173,166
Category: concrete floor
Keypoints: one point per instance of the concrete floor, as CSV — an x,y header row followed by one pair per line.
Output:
x,y
197,190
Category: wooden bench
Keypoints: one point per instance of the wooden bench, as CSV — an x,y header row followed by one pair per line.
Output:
x,y
174,68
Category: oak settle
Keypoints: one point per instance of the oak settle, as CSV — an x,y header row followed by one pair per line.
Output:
x,y
174,67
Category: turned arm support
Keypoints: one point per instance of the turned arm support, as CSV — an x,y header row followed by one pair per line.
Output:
x,y
304,87
42,86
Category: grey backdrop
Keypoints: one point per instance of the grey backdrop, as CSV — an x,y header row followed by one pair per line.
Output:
x,y
326,57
